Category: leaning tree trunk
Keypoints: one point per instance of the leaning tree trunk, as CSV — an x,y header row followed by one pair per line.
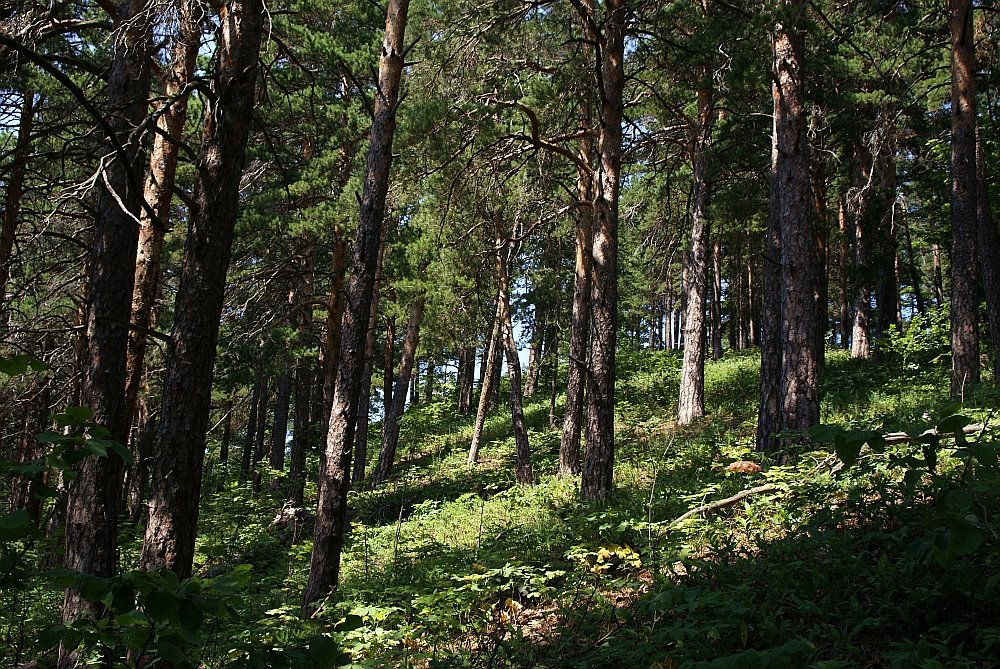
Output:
x,y
15,191
691,403
331,511
487,377
989,257
390,425
522,468
598,465
964,279
92,504
158,192
799,256
187,386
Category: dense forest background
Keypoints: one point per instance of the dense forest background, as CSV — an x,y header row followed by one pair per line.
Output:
x,y
499,334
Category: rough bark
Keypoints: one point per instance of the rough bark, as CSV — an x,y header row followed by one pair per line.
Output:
x,y
138,480
844,308
331,512
691,402
158,192
365,404
598,465
332,331
799,256
535,353
388,357
259,434
989,257
861,347
187,386
390,425
15,192
964,276
92,505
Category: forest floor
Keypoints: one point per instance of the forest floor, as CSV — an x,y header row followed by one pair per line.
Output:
x,y
890,561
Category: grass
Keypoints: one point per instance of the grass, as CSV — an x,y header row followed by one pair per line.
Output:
x,y
888,563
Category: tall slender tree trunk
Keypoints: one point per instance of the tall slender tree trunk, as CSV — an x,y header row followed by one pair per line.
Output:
x,y
535,354
333,330
279,429
466,371
486,386
390,425
15,191
364,408
158,192
964,278
989,256
579,342
187,386
691,403
246,456
300,433
717,298
799,256
331,512
522,468
227,434
598,464
92,505
259,433
388,357
911,261
843,297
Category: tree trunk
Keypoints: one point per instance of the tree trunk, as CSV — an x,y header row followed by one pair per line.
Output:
x,y
388,358
844,298
258,439
15,191
487,376
30,450
466,371
364,407
989,257
535,354
598,465
92,505
799,256
300,433
279,430
964,279
861,347
332,332
522,468
158,192
187,386
717,298
331,512
911,262
579,335
227,435
390,425
246,457
691,403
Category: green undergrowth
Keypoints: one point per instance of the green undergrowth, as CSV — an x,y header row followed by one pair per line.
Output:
x,y
853,551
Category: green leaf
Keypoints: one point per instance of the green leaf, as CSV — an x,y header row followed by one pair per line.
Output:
x,y
849,450
78,415
169,652
159,605
19,364
191,616
324,651
953,424
122,599
51,636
